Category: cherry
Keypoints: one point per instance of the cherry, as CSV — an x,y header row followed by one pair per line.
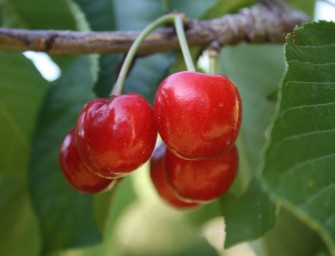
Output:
x,y
75,172
201,180
157,174
158,178
198,115
116,135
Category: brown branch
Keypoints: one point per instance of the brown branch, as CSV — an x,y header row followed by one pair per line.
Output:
x,y
259,24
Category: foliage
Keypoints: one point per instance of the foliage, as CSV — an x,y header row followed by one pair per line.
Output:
x,y
286,175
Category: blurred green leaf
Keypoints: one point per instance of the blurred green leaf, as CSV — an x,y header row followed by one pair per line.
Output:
x,y
290,237
43,14
21,93
18,226
222,7
306,6
123,195
1,13
38,14
108,68
136,14
193,9
255,81
66,217
100,15
147,74
164,231
299,161
248,216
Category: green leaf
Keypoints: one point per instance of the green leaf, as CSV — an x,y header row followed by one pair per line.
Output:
x,y
18,226
100,16
298,239
21,92
44,14
66,217
136,14
192,9
39,14
255,81
222,7
108,67
299,161
147,74
248,216
307,6
1,13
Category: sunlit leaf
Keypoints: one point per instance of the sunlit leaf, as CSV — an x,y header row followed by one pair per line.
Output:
x,y
299,162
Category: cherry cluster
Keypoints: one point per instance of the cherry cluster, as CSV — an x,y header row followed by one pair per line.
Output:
x,y
198,117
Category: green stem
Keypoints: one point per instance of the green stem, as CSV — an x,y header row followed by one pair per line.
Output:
x,y
169,18
179,25
212,64
213,52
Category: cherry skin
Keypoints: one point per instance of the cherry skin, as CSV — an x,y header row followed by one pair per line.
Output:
x,y
116,135
160,183
201,180
76,173
198,115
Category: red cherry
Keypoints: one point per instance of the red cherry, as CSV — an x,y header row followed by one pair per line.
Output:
x,y
201,180
116,135
76,173
198,115
158,178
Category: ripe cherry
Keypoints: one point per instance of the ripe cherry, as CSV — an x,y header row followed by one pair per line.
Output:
x,y
198,115
76,173
116,135
201,180
158,178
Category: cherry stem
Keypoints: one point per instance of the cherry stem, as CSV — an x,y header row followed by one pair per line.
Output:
x,y
212,65
213,52
179,25
169,18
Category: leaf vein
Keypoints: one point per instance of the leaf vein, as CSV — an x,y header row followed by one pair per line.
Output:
x,y
301,164
308,200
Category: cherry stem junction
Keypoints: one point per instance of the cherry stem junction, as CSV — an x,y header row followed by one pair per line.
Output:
x,y
169,18
173,18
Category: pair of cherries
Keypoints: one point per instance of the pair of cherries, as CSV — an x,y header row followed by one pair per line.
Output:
x,y
198,117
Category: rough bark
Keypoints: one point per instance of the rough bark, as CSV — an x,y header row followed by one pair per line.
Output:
x,y
268,21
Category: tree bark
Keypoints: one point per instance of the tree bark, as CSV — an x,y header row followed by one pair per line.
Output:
x,y
262,23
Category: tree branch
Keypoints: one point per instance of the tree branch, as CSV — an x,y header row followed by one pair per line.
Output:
x,y
259,24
